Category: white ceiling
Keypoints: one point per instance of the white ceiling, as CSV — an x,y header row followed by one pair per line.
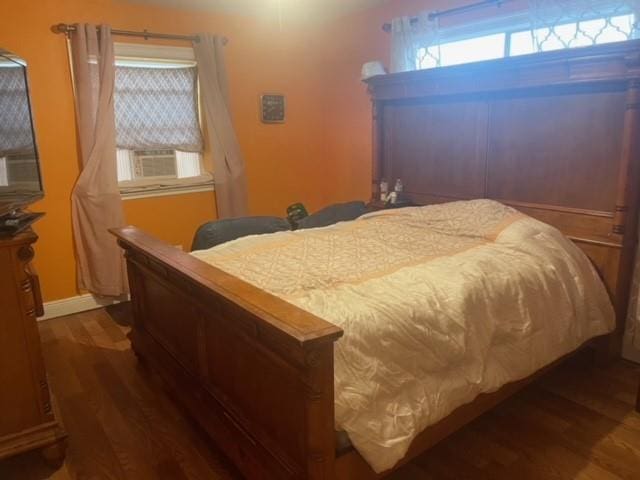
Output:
x,y
287,8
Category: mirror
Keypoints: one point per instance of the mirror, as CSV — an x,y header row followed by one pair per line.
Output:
x,y
20,182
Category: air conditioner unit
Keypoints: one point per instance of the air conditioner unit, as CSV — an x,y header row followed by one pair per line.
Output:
x,y
20,170
155,164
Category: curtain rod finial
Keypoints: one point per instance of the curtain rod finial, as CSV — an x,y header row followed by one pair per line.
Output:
x,y
61,28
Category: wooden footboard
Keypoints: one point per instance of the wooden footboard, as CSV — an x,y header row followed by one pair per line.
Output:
x,y
256,372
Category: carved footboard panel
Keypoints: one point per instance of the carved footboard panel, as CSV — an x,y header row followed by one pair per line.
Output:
x,y
255,371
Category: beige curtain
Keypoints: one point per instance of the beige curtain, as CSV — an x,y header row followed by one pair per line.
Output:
x,y
95,201
228,162
410,37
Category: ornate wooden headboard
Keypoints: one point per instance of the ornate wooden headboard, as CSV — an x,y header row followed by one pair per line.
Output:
x,y
555,135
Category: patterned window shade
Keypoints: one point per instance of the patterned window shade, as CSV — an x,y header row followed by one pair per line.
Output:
x,y
562,24
16,136
157,108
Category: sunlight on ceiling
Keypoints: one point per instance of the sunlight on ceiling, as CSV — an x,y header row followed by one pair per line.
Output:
x,y
307,9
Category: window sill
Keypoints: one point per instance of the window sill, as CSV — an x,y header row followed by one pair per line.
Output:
x,y
150,191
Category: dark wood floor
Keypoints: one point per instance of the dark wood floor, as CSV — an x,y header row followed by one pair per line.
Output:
x,y
576,423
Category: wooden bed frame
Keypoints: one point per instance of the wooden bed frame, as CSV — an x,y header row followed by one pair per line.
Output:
x,y
555,135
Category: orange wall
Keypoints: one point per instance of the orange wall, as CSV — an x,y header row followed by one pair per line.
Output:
x,y
284,162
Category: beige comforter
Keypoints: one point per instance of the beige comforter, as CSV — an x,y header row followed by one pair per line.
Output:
x,y
438,304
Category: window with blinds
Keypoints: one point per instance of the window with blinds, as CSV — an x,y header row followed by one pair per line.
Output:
x,y
158,132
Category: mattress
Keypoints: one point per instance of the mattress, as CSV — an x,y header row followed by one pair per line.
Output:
x,y
438,304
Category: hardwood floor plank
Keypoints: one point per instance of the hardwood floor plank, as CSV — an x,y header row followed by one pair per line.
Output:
x,y
117,334
90,453
537,444
169,470
483,452
125,441
583,393
609,444
412,472
61,374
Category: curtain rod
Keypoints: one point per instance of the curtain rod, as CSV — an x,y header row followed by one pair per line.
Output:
x,y
454,11
69,29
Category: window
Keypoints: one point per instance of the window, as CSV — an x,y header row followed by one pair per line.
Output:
x,y
518,41
489,47
158,130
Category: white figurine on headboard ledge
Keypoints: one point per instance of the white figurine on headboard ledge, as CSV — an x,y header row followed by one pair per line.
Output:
x,y
394,196
372,69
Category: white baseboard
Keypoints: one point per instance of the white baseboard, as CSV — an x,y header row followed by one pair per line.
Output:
x,y
81,303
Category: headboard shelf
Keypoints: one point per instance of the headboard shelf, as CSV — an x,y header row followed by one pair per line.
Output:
x,y
555,135
612,63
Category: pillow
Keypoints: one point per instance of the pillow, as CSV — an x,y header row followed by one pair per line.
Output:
x,y
220,231
340,212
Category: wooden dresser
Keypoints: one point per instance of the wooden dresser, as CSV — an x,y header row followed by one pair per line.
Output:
x,y
28,416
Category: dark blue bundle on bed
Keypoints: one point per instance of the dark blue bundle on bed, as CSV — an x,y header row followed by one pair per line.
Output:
x,y
220,231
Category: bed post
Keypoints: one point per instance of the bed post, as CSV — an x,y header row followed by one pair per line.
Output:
x,y
376,144
320,413
625,218
625,221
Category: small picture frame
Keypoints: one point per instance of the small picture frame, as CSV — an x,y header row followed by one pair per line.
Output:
x,y
272,108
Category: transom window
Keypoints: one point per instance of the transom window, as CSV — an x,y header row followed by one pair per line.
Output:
x,y
510,43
